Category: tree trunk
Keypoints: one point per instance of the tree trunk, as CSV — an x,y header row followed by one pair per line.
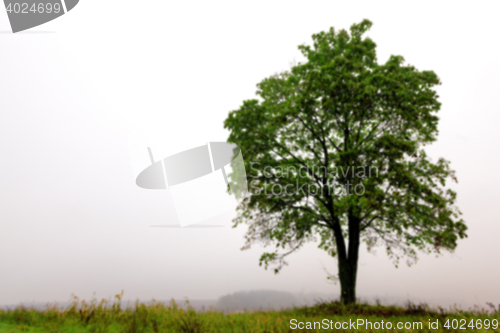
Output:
x,y
347,277
348,263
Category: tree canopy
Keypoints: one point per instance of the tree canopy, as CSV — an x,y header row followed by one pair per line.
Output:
x,y
334,149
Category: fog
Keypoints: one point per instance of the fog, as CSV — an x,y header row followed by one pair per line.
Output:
x,y
73,221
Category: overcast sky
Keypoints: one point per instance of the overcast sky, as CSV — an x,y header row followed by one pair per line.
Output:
x,y
72,220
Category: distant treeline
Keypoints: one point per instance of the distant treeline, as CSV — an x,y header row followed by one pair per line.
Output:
x,y
266,300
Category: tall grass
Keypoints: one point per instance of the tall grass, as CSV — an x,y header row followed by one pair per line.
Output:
x,y
110,316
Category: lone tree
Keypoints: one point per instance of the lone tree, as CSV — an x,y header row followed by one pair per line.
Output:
x,y
334,148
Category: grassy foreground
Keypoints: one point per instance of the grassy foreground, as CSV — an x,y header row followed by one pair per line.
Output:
x,y
107,316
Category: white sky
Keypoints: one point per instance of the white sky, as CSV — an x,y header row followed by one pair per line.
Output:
x,y
72,220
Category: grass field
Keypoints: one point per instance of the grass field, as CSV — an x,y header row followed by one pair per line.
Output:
x,y
110,316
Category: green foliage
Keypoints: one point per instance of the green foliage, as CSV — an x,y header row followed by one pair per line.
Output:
x,y
343,121
191,322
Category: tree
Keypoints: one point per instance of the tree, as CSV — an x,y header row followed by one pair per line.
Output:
x,y
335,148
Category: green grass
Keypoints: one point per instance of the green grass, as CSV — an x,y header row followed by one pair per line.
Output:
x,y
107,316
